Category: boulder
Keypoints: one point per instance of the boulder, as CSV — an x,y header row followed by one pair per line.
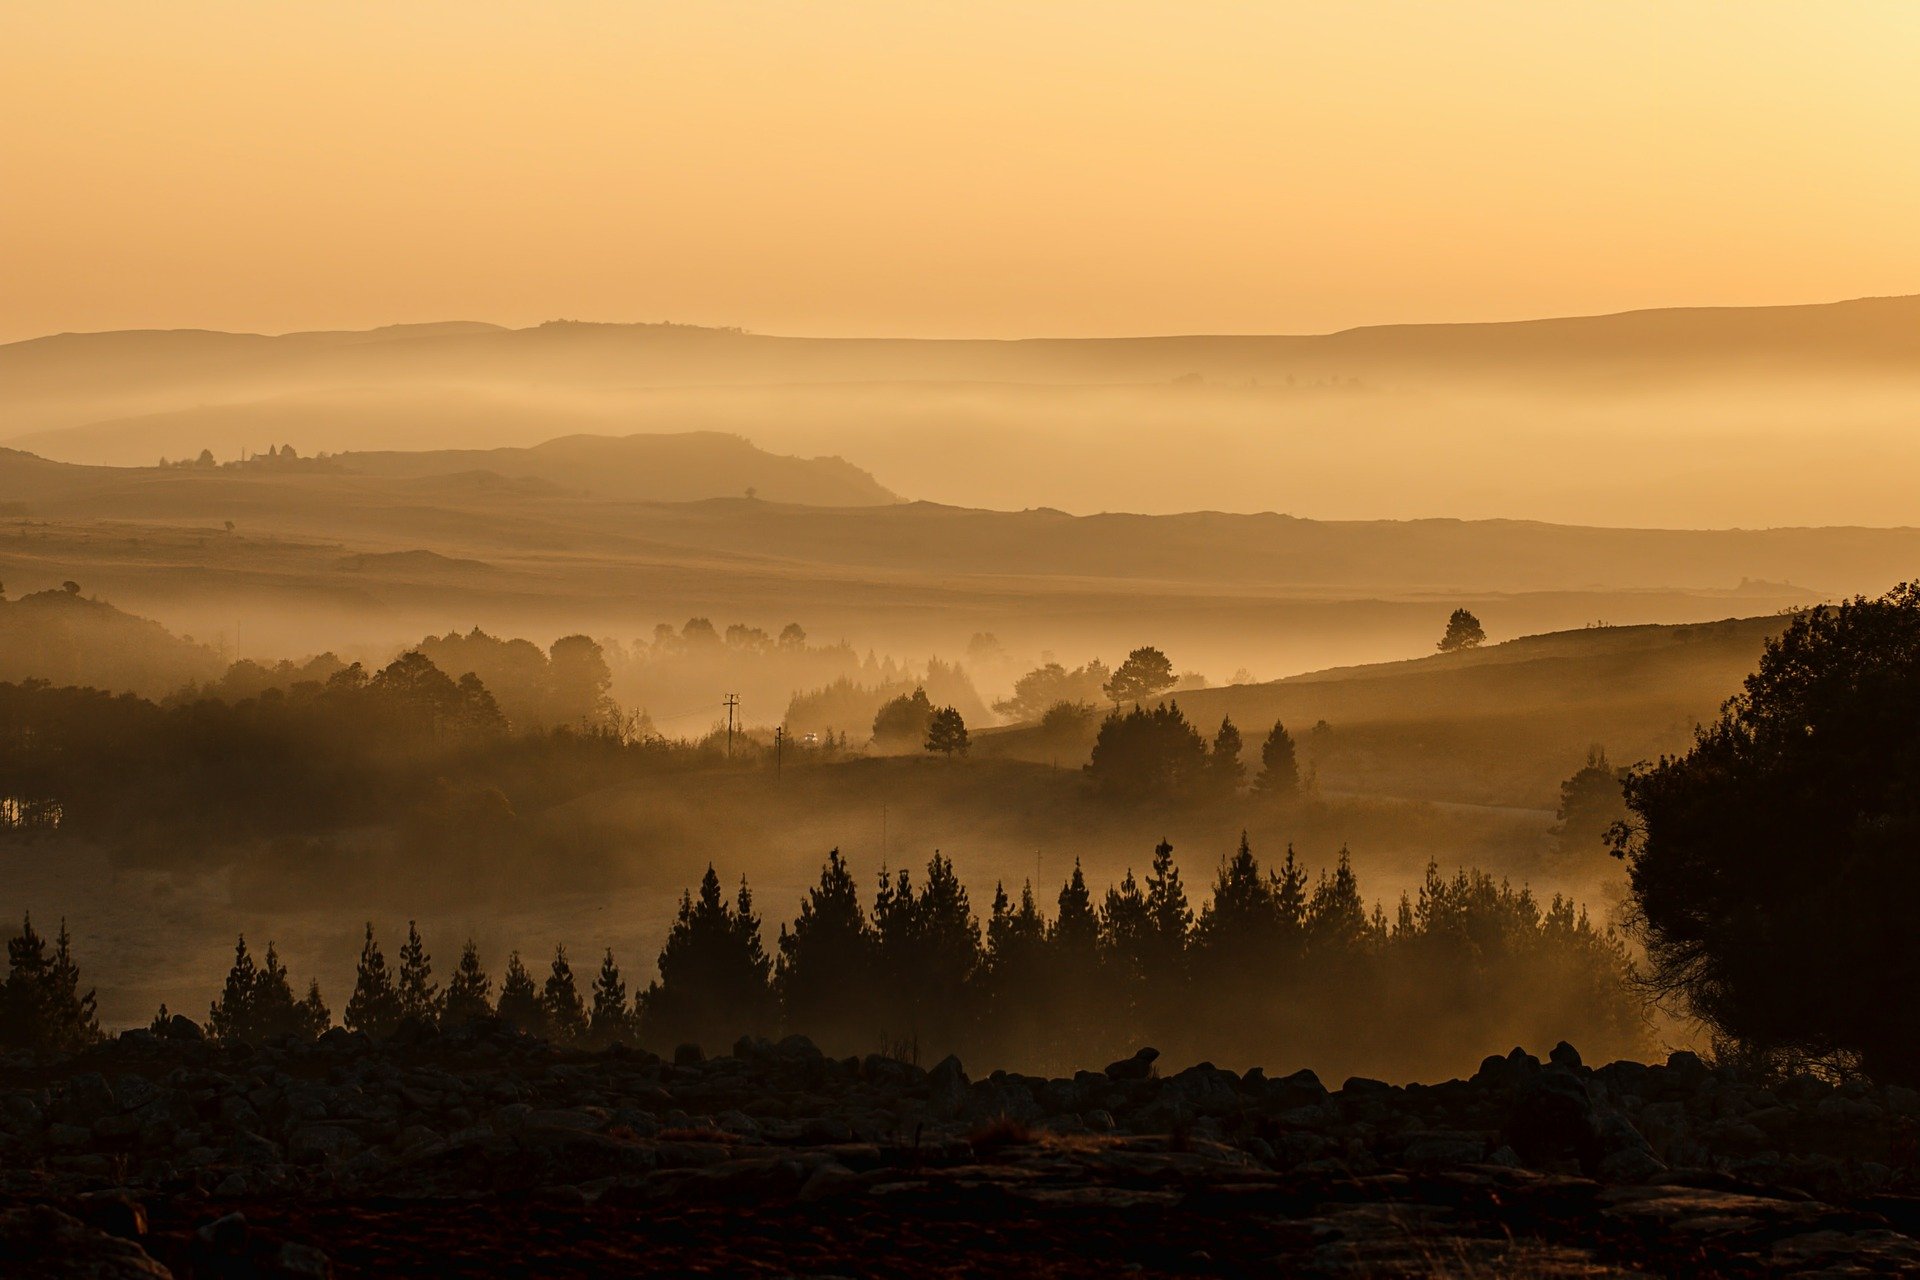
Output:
x,y
1138,1067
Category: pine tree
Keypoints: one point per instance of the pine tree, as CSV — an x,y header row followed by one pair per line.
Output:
x,y
715,977
272,1007
469,991
417,993
23,1020
1279,764
520,1006
41,1005
231,1016
824,973
375,1005
312,1015
612,1020
1169,913
1223,761
947,732
566,1013
1336,918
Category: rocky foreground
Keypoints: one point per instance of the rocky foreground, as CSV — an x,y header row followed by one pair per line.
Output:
x,y
483,1152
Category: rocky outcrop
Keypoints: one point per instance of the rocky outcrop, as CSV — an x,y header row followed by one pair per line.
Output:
x,y
175,1153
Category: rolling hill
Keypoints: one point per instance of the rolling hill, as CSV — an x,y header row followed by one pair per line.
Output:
x,y
1699,416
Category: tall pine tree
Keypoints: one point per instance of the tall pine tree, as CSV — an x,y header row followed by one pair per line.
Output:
x,y
566,1012
375,1005
469,991
418,994
612,1018
520,1006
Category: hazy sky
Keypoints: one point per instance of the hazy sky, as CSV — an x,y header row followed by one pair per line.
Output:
x,y
908,167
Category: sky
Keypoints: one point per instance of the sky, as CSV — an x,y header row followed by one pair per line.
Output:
x,y
978,168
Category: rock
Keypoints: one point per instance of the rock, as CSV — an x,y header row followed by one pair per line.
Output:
x,y
322,1143
1565,1055
947,1087
88,1098
688,1055
1138,1067
1553,1119
182,1030
40,1241
829,1180
1443,1151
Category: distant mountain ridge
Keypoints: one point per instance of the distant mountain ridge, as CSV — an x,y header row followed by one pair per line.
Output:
x,y
1863,333
687,467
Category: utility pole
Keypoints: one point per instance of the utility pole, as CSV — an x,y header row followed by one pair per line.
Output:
x,y
733,700
779,743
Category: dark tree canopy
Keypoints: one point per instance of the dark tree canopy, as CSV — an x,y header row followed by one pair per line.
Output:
x,y
1146,673
947,733
1149,754
1774,865
1463,632
904,720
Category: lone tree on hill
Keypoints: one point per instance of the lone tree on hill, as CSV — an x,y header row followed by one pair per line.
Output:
x,y
947,732
1463,632
1145,673
1772,866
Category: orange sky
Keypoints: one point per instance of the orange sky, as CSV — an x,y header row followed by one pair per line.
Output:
x,y
903,167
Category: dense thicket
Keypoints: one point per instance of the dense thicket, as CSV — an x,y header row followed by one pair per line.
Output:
x,y
1774,865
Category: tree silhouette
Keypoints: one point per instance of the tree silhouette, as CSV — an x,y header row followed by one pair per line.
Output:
x,y
1145,673
947,733
903,720
374,1007
520,1006
1148,754
469,991
1223,761
1279,764
417,993
566,1013
311,1015
826,962
1463,632
1772,865
929,947
612,1017
257,1002
41,1005
715,976
1591,802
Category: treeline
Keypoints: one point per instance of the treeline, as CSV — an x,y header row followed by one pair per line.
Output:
x,y
1278,965
352,748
